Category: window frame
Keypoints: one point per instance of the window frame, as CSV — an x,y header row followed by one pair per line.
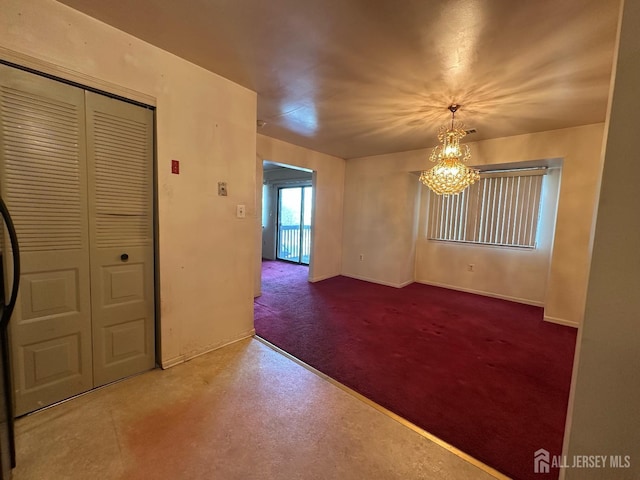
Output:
x,y
475,210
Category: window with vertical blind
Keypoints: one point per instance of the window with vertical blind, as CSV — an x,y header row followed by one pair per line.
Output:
x,y
501,209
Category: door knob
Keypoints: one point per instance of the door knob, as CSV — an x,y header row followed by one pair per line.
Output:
x,y
124,257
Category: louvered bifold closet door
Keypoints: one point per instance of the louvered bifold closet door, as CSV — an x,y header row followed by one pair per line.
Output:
x,y
43,181
120,167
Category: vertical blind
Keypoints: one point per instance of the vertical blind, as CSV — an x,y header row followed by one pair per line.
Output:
x,y
501,209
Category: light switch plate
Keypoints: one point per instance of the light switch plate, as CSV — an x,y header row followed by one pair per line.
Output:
x,y
222,189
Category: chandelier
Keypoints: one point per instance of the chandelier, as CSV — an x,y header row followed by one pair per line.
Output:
x,y
450,175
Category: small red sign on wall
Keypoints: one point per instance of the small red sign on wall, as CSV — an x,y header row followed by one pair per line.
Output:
x,y
175,167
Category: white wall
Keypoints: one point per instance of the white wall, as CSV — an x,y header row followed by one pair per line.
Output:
x,y
326,241
378,221
604,418
257,266
206,255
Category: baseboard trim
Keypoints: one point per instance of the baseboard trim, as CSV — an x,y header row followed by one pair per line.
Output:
x,y
379,282
457,452
322,277
561,321
172,362
525,301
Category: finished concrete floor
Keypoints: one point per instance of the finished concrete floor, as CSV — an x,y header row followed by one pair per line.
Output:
x,y
241,412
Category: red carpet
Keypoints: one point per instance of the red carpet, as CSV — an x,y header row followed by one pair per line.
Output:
x,y
485,375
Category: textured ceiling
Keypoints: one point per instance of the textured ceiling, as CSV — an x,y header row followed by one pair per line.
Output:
x,y
362,77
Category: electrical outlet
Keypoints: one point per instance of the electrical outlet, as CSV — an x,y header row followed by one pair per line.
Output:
x,y
361,257
240,211
470,267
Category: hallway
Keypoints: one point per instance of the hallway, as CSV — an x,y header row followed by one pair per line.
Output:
x,y
241,412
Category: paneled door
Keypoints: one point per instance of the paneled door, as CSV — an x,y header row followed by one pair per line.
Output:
x,y
76,172
44,183
120,156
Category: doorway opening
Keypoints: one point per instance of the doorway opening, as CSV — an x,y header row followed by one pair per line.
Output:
x,y
288,205
287,214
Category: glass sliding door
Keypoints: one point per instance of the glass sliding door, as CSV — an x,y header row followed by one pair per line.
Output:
x,y
289,218
294,224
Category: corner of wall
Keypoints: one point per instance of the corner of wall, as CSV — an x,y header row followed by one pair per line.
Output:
x,y
185,357
562,321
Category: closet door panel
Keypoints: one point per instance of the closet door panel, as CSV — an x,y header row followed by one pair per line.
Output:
x,y
43,180
120,173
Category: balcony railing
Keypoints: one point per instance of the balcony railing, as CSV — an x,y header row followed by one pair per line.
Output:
x,y
289,243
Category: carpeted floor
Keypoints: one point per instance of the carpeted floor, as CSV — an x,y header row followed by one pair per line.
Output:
x,y
485,375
